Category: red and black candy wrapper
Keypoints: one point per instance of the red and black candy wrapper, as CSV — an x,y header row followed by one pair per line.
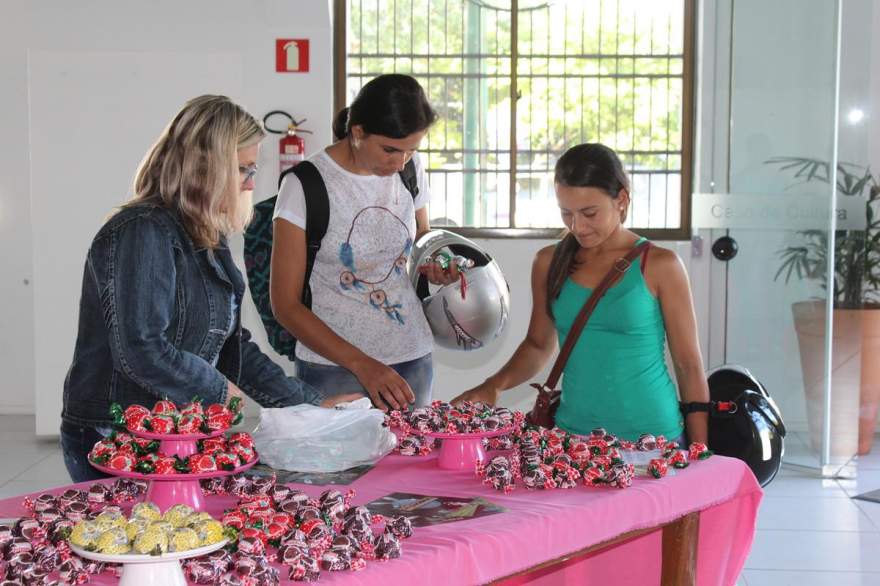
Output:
x,y
387,546
334,561
401,526
251,545
201,571
304,569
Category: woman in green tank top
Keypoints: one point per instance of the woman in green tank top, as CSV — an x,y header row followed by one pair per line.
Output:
x,y
616,375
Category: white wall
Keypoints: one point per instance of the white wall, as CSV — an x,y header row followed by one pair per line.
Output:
x,y
16,291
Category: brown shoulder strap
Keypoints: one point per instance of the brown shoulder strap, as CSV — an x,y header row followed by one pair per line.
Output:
x,y
619,267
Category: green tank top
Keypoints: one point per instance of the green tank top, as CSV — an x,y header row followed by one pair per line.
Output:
x,y
616,375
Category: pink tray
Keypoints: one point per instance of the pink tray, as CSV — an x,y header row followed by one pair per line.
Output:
x,y
173,477
176,436
463,451
167,490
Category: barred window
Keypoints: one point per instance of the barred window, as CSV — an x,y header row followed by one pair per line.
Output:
x,y
612,71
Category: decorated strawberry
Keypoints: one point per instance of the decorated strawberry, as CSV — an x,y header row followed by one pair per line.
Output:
x,y
658,467
194,407
164,407
246,454
121,438
163,424
190,423
124,462
253,532
127,449
679,459
166,465
698,451
220,419
274,532
234,518
147,464
102,451
144,446
242,438
133,418
212,445
227,460
199,463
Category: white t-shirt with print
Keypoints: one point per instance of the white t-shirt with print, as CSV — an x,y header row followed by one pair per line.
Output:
x,y
359,283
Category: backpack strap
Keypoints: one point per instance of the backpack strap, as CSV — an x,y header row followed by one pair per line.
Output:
x,y
317,217
409,178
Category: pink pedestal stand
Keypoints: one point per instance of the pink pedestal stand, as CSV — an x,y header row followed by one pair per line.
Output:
x,y
463,451
166,490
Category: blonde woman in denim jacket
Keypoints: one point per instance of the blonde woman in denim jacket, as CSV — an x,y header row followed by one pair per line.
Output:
x,y
160,312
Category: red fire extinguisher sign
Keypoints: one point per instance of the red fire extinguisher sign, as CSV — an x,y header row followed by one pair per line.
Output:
x,y
292,55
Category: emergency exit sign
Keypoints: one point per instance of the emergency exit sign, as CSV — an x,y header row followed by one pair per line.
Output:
x,y
291,55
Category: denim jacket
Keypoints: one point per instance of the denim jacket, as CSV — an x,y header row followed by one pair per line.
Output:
x,y
153,320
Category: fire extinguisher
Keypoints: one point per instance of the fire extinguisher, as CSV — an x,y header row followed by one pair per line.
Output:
x,y
291,147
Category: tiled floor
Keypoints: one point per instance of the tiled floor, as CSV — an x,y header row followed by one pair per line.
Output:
x,y
810,533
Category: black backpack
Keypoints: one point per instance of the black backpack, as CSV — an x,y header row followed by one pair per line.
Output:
x,y
258,245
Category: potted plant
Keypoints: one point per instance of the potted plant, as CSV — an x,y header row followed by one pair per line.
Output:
x,y
855,296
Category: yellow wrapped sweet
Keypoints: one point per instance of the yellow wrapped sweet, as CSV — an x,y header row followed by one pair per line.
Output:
x,y
183,539
177,515
113,541
152,541
209,532
147,511
109,520
135,527
196,518
163,526
84,534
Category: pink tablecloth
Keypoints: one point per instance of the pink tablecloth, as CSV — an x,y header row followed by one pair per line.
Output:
x,y
545,525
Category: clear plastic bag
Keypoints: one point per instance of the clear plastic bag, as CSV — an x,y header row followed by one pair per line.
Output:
x,y
305,438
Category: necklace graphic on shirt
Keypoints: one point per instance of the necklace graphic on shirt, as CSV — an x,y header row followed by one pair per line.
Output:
x,y
376,296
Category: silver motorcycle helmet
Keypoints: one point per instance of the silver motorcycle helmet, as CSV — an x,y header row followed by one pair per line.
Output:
x,y
468,321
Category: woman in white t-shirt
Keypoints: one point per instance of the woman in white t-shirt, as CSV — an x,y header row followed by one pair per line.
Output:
x,y
365,331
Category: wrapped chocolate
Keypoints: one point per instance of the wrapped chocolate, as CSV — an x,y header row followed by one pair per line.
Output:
x,y
251,546
333,505
334,561
497,474
304,569
214,486
415,445
202,571
387,545
99,494
646,443
401,526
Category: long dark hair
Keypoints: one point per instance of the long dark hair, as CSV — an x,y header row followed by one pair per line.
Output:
x,y
584,165
392,105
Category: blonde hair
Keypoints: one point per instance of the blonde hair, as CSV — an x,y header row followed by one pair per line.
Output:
x,y
193,168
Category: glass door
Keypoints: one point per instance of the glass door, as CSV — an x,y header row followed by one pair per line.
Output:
x,y
791,212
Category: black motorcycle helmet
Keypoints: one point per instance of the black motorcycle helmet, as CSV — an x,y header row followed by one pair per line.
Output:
x,y
745,422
